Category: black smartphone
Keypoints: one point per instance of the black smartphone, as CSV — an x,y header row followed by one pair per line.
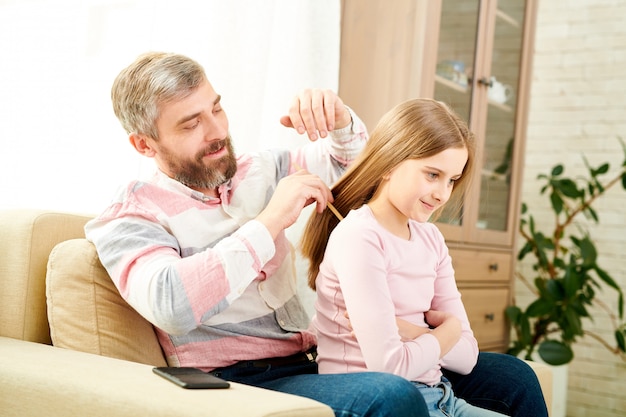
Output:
x,y
191,378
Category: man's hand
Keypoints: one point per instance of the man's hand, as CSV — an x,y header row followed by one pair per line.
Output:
x,y
317,112
292,194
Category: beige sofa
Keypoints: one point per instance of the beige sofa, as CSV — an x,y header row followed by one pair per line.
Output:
x,y
70,345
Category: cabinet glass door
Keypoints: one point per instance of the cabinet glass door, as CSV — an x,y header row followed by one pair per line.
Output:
x,y
455,67
495,184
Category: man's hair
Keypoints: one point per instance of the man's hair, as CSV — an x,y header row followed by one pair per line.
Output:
x,y
415,129
151,80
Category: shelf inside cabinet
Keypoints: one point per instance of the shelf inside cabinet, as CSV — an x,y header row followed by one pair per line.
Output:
x,y
464,90
493,175
501,106
450,84
508,19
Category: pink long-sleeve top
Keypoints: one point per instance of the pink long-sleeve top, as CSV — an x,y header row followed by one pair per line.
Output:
x,y
377,276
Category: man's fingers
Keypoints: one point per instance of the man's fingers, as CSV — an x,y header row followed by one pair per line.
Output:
x,y
313,189
313,112
330,100
286,121
318,109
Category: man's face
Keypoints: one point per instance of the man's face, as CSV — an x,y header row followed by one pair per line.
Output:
x,y
194,146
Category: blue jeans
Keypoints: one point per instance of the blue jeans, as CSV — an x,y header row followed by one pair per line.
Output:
x,y
442,402
364,394
499,382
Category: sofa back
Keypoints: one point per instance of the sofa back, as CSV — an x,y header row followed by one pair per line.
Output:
x,y
54,290
26,239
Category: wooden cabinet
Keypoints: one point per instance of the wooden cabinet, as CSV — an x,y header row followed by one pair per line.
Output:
x,y
476,56
484,279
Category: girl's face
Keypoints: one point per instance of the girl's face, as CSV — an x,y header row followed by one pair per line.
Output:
x,y
415,188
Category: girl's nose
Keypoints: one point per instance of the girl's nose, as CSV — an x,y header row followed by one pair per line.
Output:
x,y
442,192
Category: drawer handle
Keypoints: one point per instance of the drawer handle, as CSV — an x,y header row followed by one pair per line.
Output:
x,y
490,317
493,267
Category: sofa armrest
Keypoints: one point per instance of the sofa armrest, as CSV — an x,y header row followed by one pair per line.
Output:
x,y
544,375
38,379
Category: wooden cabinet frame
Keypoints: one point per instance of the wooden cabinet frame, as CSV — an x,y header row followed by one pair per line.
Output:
x,y
389,55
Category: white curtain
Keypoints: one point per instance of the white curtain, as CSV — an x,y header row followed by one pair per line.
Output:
x,y
60,144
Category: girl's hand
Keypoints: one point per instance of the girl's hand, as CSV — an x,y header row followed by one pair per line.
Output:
x,y
409,331
436,318
447,329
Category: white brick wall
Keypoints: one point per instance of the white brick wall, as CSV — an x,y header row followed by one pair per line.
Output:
x,y
578,106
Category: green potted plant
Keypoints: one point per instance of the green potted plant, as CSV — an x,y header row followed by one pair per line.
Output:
x,y
567,275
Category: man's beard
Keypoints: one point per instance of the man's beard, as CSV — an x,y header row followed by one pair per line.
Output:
x,y
196,174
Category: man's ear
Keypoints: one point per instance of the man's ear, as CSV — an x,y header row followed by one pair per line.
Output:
x,y
142,144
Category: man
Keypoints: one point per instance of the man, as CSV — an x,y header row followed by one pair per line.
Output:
x,y
200,251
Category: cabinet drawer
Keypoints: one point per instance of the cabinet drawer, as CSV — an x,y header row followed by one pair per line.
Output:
x,y
479,265
486,311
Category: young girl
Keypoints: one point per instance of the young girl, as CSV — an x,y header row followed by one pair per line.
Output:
x,y
386,295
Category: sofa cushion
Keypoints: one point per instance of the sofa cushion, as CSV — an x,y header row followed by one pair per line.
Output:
x,y
28,236
87,313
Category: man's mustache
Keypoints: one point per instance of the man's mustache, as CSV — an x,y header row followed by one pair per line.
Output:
x,y
212,147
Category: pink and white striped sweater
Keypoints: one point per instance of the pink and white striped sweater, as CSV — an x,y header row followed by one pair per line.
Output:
x,y
208,276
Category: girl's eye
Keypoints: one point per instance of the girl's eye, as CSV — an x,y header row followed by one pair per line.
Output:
x,y
453,181
217,109
433,175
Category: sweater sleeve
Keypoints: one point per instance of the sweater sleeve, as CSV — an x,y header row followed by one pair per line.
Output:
x,y
463,356
173,292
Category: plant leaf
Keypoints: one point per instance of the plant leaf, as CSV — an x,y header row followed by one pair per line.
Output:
x,y
554,288
513,313
555,353
621,343
524,327
603,169
526,249
571,282
568,188
557,170
590,212
539,307
557,202
604,276
587,251
572,325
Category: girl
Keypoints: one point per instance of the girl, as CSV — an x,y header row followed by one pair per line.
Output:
x,y
386,295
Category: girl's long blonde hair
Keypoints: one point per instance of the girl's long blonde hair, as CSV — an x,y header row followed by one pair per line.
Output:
x,y
415,129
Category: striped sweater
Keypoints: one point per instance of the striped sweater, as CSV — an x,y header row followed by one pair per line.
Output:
x,y
209,277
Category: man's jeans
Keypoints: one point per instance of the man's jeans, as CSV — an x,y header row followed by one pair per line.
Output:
x,y
499,382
